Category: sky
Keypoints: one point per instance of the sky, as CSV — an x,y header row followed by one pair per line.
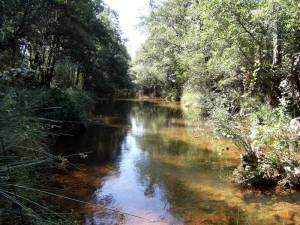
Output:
x,y
130,12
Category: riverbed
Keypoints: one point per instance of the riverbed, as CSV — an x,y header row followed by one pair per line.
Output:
x,y
147,164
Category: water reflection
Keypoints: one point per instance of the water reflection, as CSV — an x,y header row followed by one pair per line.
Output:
x,y
154,172
164,175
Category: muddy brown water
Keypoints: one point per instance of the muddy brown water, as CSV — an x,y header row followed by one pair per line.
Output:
x,y
152,166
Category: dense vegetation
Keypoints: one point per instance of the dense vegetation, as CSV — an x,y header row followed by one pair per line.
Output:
x,y
63,43
234,62
54,56
238,63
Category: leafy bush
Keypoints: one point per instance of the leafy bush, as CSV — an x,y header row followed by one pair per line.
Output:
x,y
23,158
26,117
64,105
269,143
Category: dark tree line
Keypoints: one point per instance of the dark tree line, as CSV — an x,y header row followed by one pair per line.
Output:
x,y
73,43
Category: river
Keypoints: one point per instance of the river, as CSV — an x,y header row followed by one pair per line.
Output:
x,y
150,165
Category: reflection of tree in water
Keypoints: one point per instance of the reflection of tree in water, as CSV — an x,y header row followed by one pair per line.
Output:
x,y
171,165
114,108
173,182
185,178
154,117
103,141
183,154
150,191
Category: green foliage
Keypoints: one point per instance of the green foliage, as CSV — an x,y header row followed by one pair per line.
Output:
x,y
159,62
271,130
23,157
237,63
69,43
53,53
241,46
27,117
64,105
269,142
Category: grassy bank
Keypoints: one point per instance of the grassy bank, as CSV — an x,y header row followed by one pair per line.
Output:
x,y
28,118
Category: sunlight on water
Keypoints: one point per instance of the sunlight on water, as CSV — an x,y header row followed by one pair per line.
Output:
x,y
136,129
127,191
161,173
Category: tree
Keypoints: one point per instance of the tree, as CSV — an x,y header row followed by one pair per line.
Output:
x,y
44,34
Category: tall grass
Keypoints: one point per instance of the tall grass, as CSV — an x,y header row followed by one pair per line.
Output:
x,y
26,119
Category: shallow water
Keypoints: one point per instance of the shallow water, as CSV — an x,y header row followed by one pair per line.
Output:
x,y
155,167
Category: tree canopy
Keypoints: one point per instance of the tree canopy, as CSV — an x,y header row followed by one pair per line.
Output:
x,y
71,43
222,43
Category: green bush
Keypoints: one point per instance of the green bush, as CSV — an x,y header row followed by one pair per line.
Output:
x,y
64,105
23,154
269,145
26,116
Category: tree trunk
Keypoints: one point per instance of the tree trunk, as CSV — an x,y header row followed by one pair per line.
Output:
x,y
296,71
77,77
277,48
296,61
50,72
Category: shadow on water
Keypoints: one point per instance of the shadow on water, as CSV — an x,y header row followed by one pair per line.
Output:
x,y
161,173
101,141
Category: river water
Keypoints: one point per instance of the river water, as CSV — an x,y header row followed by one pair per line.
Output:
x,y
151,166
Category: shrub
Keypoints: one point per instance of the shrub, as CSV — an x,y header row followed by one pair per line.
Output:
x,y
23,158
269,144
25,118
64,105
